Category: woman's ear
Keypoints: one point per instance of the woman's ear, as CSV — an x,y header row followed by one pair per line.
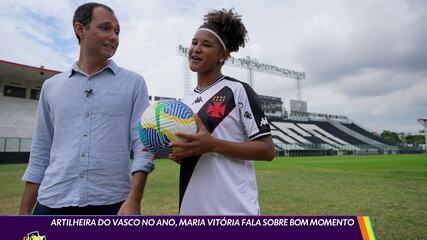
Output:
x,y
224,55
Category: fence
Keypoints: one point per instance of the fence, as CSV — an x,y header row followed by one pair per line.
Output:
x,y
15,144
15,150
326,149
18,149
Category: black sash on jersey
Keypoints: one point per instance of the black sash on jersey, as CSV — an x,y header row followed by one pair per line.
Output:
x,y
212,113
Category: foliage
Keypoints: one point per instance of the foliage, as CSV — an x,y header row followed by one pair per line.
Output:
x,y
390,136
415,139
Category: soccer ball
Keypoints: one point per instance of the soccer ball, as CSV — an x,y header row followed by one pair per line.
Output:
x,y
159,123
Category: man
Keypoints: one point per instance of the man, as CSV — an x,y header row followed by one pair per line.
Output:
x,y
85,129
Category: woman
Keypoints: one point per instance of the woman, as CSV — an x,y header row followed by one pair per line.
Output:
x,y
217,173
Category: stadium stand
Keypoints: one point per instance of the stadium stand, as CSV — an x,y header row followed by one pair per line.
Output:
x,y
19,91
362,131
329,136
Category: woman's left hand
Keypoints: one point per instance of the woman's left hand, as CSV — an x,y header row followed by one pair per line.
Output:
x,y
195,144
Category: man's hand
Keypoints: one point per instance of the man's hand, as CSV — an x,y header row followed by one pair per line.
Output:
x,y
29,198
130,207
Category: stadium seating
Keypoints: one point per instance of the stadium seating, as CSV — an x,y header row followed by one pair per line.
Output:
x,y
293,137
362,131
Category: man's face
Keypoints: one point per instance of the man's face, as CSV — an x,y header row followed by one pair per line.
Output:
x,y
101,37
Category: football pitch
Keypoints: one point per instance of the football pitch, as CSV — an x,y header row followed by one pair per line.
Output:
x,y
391,189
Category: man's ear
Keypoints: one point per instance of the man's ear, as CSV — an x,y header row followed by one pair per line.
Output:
x,y
78,29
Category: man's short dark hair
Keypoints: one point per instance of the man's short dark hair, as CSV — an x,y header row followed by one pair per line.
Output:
x,y
84,13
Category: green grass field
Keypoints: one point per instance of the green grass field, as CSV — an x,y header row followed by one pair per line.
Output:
x,y
391,189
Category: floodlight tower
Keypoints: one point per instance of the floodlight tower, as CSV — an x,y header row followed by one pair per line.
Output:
x,y
251,65
423,122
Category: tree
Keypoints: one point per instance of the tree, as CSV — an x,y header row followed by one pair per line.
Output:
x,y
390,136
415,139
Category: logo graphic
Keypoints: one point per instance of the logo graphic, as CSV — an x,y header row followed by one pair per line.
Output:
x,y
217,107
198,100
248,115
34,236
264,121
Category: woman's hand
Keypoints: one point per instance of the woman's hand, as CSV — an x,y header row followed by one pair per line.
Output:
x,y
195,144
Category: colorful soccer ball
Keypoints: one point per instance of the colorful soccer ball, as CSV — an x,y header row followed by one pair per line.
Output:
x,y
159,123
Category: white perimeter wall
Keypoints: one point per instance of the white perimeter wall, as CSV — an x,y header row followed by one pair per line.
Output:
x,y
17,117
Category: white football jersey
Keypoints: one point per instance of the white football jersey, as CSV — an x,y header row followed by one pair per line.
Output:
x,y
213,183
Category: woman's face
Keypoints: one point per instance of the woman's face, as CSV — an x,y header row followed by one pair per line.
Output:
x,y
205,52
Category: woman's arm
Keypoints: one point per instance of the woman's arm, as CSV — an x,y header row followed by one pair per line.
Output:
x,y
203,142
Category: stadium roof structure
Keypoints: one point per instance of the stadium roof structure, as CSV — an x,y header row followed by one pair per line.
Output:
x,y
20,72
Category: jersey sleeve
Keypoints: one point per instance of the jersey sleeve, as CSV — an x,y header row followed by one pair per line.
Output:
x,y
252,118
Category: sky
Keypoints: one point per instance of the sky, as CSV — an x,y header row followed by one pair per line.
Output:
x,y
365,59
